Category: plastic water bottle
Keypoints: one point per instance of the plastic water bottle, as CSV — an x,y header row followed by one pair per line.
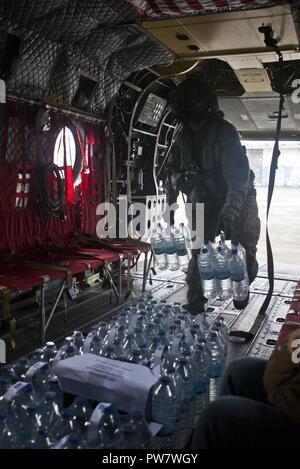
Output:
x,y
187,234
108,352
224,248
203,364
49,410
223,275
239,277
189,357
223,330
65,425
176,384
103,429
102,330
20,368
210,247
37,356
136,356
19,397
183,369
5,384
28,426
172,332
203,321
38,376
120,334
42,439
216,348
82,411
140,322
206,266
8,439
149,333
129,346
96,344
181,249
154,345
179,326
55,388
158,326
163,338
164,411
142,433
78,339
139,337
8,373
118,350
123,319
240,249
128,438
185,319
70,341
166,311
50,352
171,251
72,441
158,246
66,351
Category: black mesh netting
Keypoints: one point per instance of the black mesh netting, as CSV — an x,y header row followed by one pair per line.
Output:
x,y
62,40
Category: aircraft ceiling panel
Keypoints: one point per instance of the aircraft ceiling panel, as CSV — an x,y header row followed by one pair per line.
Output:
x,y
261,111
236,113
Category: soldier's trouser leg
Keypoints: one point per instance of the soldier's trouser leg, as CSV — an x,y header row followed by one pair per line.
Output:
x,y
246,230
252,264
195,298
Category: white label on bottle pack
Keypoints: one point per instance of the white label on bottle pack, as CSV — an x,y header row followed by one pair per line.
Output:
x,y
98,413
14,390
34,369
126,385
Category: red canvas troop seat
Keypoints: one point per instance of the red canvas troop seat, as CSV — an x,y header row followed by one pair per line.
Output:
x,y
34,269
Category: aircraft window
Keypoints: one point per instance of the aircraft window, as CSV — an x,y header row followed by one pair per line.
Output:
x,y
65,154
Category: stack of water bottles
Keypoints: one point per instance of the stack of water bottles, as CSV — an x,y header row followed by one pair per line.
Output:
x,y
186,354
171,248
223,271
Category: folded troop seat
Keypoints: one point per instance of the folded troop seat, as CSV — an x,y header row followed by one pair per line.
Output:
x,y
18,273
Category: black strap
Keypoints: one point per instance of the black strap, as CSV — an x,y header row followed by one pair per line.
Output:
x,y
272,177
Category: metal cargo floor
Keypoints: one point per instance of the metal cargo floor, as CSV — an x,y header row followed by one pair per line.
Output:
x,y
95,304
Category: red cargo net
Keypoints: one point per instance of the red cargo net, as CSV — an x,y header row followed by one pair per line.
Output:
x,y
179,8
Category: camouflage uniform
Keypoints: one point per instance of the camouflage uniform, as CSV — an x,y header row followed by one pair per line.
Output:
x,y
212,167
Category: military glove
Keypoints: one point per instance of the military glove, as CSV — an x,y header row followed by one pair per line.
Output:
x,y
224,224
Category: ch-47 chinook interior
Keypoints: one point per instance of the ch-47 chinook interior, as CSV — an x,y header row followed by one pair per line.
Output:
x,y
86,124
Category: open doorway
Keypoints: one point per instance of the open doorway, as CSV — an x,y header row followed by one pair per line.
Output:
x,y
284,221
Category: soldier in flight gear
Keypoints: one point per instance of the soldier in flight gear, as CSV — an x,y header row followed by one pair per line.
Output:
x,y
209,165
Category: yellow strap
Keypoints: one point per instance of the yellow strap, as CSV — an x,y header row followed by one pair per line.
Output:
x,y
66,306
13,327
6,302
